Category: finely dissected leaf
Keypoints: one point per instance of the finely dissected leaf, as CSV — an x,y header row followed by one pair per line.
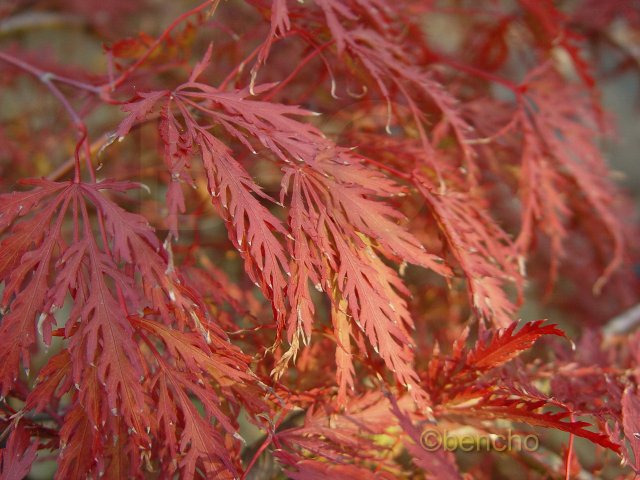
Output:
x,y
104,359
79,445
251,224
18,455
199,444
138,111
338,180
17,204
561,165
134,242
32,243
458,378
391,65
567,130
631,424
190,440
372,292
280,24
217,358
527,411
343,439
52,381
369,287
304,269
345,372
118,363
482,249
348,187
505,345
333,139
543,203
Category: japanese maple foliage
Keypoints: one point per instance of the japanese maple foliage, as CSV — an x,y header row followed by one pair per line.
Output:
x,y
281,239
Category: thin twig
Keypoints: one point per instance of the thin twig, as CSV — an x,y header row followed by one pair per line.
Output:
x,y
623,323
132,68
569,454
50,76
38,20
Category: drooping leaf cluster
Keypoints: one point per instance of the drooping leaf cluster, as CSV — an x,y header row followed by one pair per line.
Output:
x,y
284,239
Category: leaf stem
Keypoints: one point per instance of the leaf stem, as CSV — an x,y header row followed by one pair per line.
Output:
x,y
569,454
382,166
317,50
47,78
516,89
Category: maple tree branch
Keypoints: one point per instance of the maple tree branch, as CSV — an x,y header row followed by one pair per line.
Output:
x,y
50,76
111,86
47,78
